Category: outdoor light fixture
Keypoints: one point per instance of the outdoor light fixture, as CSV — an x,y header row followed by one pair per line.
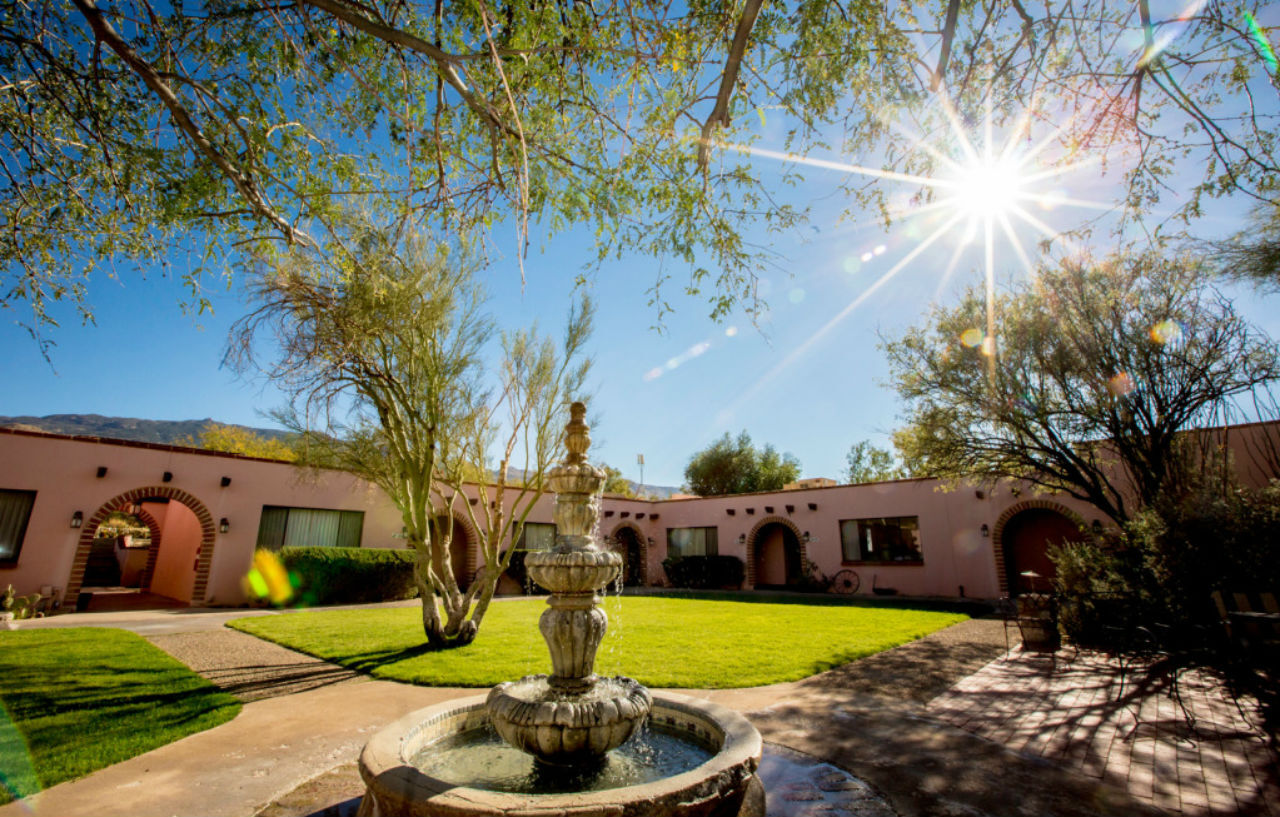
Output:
x,y
986,531
223,525
650,541
225,481
742,538
102,471
805,537
168,476
1097,527
77,519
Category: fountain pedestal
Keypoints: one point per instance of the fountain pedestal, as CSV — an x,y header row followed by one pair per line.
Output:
x,y
570,720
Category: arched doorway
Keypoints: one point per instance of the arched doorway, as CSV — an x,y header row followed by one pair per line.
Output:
x,y
460,561
777,557
1023,542
179,553
630,545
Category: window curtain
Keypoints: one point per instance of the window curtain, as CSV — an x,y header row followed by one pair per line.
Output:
x,y
349,527
15,509
537,536
849,549
271,527
310,528
683,542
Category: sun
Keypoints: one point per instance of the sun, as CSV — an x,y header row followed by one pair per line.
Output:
x,y
989,188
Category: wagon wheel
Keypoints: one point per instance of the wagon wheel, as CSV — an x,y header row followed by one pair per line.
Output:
x,y
846,582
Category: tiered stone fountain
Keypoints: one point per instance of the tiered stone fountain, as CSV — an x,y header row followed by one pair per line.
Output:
x,y
694,759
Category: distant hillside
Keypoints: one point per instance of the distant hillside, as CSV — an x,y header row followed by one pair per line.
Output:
x,y
123,428
169,431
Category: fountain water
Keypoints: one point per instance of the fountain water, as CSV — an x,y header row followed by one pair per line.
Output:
x,y
695,759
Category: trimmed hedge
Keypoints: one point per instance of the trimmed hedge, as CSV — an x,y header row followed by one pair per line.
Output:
x,y
705,572
325,575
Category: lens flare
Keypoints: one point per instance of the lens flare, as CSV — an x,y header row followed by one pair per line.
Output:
x,y
1166,332
1121,384
268,578
971,338
1260,40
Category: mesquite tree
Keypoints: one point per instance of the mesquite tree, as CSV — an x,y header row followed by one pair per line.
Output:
x,y
136,131
1103,370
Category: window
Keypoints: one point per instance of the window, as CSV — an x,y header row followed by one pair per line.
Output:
x,y
683,542
309,527
15,510
537,536
883,539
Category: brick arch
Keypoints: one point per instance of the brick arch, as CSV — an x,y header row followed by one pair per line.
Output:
x,y
125,501
751,545
471,561
643,541
997,533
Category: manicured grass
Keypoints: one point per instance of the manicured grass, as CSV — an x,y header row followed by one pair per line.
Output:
x,y
662,642
76,700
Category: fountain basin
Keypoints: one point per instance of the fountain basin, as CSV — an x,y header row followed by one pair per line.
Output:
x,y
575,572
723,786
567,730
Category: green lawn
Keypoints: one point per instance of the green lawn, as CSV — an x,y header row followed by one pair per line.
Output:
x,y
662,642
76,700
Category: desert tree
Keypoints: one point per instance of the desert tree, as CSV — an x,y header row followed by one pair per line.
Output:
x,y
736,466
136,133
867,463
1104,369
382,343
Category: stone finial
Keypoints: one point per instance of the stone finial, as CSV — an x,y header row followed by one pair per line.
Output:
x,y
577,437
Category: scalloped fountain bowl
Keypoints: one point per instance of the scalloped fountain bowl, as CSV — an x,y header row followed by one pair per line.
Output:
x,y
695,759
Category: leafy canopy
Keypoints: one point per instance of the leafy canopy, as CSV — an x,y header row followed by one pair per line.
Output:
x,y
867,463
184,134
1101,368
730,466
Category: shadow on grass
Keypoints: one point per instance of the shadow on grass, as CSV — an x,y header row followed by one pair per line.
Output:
x,y
970,607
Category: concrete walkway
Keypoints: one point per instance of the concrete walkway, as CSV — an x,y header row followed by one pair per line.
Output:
x,y
912,722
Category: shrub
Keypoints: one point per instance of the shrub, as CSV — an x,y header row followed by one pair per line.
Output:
x,y
1169,559
328,575
705,572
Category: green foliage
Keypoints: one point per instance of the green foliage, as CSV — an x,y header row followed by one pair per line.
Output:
x,y
870,464
730,466
1100,369
615,483
661,642
240,440
82,698
1171,557
705,572
328,575
387,330
135,129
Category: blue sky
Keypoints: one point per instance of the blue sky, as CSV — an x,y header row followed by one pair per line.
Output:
x,y
810,379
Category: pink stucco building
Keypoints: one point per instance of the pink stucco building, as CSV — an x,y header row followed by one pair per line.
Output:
x,y
207,513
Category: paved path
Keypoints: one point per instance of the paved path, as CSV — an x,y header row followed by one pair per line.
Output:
x,y
1069,709
898,720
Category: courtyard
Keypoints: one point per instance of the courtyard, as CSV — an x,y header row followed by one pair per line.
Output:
x,y
947,724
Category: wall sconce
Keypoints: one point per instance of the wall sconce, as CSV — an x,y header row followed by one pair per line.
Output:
x,y
813,506
650,541
102,471
805,537
1096,527
225,481
986,530
168,477
742,538
223,525
77,519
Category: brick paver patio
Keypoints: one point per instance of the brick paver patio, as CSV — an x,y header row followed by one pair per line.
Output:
x,y
1068,708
